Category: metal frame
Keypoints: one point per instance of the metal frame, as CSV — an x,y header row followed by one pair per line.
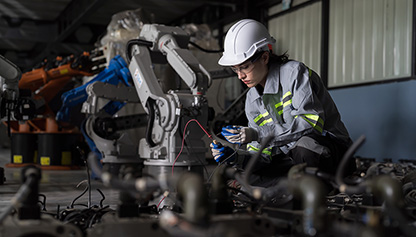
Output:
x,y
68,21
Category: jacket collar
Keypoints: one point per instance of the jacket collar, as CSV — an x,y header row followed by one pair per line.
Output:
x,y
273,80
271,86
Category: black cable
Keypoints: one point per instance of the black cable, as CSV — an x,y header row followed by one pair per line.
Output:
x,y
339,177
221,163
82,194
205,50
253,160
89,184
88,174
44,201
92,160
103,197
133,42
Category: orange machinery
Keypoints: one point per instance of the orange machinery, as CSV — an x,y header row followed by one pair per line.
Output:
x,y
42,139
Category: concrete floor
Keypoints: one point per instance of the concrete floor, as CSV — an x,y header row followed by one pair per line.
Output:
x,y
60,187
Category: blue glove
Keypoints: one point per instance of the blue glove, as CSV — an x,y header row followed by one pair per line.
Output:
x,y
239,134
220,152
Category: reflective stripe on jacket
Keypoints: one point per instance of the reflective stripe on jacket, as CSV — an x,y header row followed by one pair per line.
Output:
x,y
294,103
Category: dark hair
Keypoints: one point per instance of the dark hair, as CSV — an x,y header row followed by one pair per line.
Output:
x,y
274,58
280,59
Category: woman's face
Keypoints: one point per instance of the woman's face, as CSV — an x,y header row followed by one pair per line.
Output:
x,y
253,72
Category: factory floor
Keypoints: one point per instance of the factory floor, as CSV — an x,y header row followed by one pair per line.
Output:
x,y
59,187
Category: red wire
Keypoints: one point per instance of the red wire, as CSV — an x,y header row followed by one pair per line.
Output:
x,y
160,202
183,139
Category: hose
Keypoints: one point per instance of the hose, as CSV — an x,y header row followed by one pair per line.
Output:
x,y
384,186
205,50
339,177
133,42
251,163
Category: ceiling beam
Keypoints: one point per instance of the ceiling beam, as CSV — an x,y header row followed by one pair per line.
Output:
x,y
68,21
74,15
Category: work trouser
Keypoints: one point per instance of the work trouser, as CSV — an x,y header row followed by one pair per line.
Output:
x,y
322,152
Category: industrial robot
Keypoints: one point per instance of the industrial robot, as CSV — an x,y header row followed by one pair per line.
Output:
x,y
176,118
10,107
105,127
37,134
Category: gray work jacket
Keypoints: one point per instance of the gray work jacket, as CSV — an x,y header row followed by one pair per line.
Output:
x,y
294,103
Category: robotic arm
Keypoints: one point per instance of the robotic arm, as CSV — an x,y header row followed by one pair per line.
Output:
x,y
10,75
168,112
172,42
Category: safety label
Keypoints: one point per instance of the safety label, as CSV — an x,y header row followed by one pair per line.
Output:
x,y
17,159
138,78
44,160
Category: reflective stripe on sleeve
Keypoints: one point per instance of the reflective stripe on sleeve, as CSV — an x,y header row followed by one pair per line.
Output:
x,y
315,121
262,119
286,100
266,151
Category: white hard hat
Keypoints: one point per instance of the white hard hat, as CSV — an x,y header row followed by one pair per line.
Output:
x,y
243,40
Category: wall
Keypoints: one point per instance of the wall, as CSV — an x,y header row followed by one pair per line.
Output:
x,y
369,41
385,114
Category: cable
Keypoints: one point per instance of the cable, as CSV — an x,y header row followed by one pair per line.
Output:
x,y
189,148
103,197
133,42
160,202
88,174
252,162
348,154
221,163
75,199
44,201
205,50
183,139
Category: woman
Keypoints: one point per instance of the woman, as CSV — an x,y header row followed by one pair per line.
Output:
x,y
286,100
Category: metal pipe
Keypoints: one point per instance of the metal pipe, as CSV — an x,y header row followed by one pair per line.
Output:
x,y
390,190
31,177
109,180
195,198
219,196
312,193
